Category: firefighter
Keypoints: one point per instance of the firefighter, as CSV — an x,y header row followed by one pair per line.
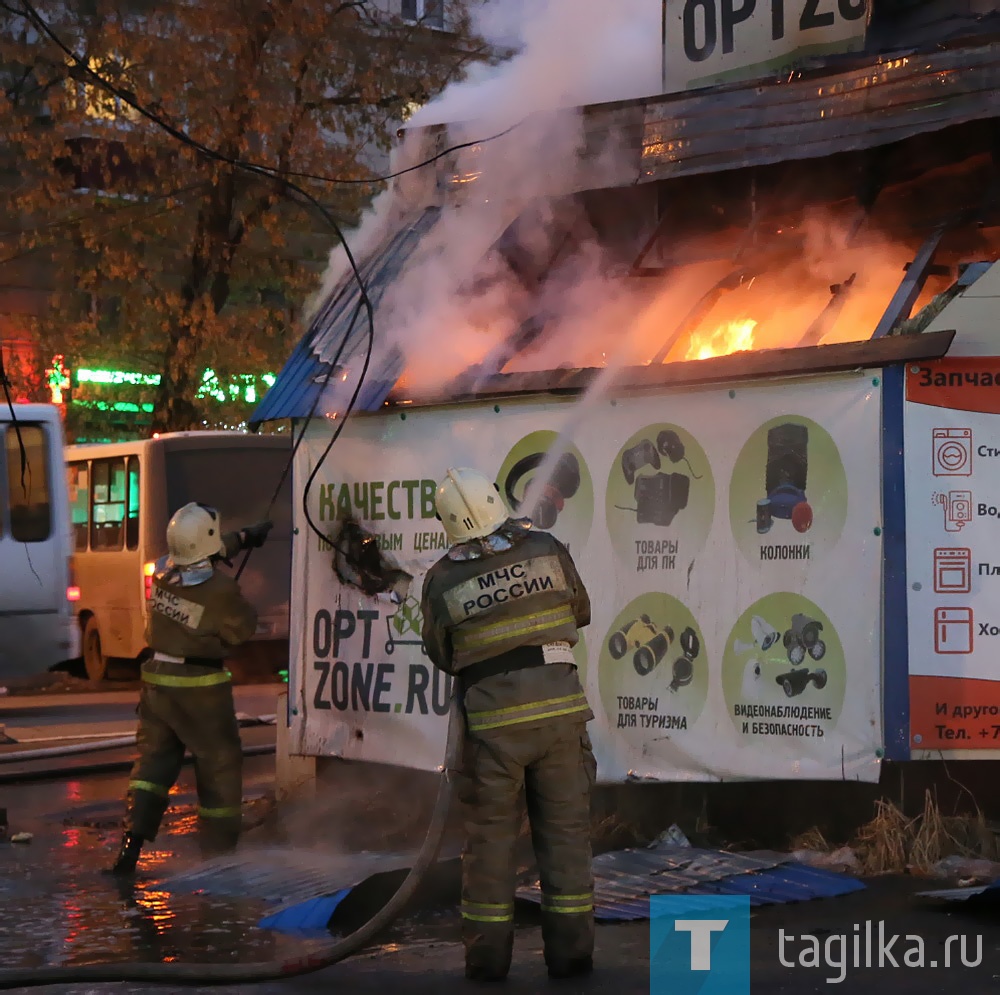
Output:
x,y
196,616
501,610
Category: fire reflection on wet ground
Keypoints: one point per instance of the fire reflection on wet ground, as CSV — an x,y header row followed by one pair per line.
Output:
x,y
60,909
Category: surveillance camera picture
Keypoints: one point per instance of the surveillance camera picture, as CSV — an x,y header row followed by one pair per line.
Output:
x,y
784,649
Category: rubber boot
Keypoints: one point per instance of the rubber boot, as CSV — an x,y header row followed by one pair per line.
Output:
x,y
216,843
128,855
572,969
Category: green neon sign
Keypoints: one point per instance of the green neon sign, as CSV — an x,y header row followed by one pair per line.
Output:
x,y
242,387
117,377
119,406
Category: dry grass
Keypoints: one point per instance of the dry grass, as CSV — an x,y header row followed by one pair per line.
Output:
x,y
811,839
893,844
883,844
615,833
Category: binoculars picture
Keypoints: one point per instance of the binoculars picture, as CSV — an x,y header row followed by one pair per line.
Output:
x,y
650,644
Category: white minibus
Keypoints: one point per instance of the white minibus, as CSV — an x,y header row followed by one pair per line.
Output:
x,y
122,495
37,591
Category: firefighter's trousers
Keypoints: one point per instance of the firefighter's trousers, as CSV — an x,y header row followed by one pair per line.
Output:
x,y
183,706
554,764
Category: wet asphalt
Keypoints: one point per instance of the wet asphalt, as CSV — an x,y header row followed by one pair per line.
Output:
x,y
56,908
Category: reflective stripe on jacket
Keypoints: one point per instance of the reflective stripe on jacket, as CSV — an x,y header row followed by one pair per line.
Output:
x,y
475,610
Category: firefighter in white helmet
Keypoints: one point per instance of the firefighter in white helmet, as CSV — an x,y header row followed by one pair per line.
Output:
x,y
501,611
196,616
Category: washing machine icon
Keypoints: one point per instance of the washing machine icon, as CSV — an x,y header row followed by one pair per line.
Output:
x,y
952,452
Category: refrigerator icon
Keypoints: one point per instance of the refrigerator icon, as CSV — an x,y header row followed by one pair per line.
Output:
x,y
953,630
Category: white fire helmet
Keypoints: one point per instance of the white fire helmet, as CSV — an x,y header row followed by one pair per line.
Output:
x,y
194,534
469,505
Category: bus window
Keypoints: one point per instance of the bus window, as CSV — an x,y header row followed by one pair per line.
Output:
x,y
30,513
107,527
79,503
132,522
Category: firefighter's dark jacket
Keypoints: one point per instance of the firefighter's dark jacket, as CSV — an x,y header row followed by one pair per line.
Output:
x,y
203,620
479,609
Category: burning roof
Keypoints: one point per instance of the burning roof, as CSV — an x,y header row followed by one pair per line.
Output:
x,y
824,209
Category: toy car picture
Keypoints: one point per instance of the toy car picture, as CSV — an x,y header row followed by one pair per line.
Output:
x,y
796,681
804,637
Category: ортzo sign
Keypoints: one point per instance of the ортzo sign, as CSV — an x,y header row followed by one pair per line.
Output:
x,y
715,41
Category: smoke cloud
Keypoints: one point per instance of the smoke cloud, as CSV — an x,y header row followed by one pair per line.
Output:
x,y
569,53
514,258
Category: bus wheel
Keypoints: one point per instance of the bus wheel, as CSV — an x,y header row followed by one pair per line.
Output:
x,y
93,657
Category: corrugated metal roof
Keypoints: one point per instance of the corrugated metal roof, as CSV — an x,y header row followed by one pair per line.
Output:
x,y
342,320
819,113
624,880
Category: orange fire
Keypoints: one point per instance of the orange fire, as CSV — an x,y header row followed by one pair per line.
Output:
x,y
733,336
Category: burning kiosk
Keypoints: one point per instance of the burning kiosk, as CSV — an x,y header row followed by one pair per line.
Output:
x,y
708,311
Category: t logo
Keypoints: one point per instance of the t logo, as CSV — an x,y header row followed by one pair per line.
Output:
x,y
699,945
701,931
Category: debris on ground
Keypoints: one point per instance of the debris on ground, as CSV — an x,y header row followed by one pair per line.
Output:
x,y
22,837
57,682
894,843
673,836
843,859
966,870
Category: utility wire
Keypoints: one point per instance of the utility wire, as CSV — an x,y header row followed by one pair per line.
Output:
x,y
270,172
254,167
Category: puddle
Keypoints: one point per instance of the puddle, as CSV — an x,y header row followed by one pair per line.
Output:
x,y
59,908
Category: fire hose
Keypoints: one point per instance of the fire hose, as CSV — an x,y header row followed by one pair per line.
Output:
x,y
173,973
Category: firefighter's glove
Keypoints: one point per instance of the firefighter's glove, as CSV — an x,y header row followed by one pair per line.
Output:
x,y
253,537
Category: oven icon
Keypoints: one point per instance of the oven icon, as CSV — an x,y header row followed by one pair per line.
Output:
x,y
952,452
953,630
952,571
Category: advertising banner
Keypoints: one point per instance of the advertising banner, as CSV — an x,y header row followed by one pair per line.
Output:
x,y
721,41
952,433
730,542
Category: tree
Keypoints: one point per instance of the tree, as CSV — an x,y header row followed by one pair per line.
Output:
x,y
163,257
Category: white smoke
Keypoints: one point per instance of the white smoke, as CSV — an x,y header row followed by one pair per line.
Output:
x,y
569,53
458,301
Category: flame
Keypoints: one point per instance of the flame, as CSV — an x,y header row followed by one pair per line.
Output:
x,y
733,336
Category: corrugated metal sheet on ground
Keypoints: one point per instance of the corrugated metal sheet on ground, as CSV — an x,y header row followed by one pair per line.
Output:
x,y
988,892
283,877
624,880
